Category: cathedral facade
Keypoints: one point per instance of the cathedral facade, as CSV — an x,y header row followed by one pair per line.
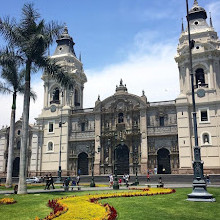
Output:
x,y
126,132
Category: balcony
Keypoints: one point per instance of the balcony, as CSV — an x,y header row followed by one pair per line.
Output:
x,y
163,130
55,102
201,85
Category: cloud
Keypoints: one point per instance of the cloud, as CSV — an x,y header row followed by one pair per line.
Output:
x,y
149,66
35,108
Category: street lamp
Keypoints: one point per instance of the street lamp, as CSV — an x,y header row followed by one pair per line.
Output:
x,y
136,165
115,183
59,178
92,153
199,192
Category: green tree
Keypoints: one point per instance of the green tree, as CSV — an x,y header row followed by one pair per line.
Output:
x,y
31,37
13,83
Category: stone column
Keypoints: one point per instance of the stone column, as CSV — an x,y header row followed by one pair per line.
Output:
x,y
110,154
211,76
144,149
34,153
187,82
46,94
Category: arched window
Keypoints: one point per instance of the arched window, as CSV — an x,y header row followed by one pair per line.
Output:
x,y
76,98
206,139
50,146
56,95
120,117
200,78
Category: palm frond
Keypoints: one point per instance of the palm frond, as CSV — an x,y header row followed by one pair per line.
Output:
x,y
53,31
5,89
29,16
8,30
33,94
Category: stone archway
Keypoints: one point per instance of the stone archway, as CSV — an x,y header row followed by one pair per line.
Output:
x,y
163,161
122,159
83,164
16,166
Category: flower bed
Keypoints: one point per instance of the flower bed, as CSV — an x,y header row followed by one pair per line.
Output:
x,y
7,201
58,209
88,206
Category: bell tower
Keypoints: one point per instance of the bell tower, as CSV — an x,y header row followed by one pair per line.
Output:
x,y
205,46
54,93
206,55
53,124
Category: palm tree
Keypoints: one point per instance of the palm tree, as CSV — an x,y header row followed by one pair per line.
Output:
x,y
32,37
14,83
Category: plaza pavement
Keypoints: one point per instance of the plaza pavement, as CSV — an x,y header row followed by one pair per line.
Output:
x,y
142,185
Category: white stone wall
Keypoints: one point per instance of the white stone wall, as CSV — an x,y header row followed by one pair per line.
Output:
x,y
3,146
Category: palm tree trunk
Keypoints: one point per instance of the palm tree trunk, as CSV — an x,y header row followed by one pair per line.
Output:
x,y
11,144
22,186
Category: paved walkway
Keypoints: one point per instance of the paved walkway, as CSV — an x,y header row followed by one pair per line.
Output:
x,y
37,191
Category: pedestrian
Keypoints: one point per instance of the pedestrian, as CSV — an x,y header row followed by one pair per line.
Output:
x,y
16,189
73,182
124,178
110,180
77,180
148,177
47,182
160,182
208,179
120,181
127,179
79,172
66,184
51,181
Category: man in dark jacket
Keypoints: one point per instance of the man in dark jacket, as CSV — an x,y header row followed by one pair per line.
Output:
x,y
51,181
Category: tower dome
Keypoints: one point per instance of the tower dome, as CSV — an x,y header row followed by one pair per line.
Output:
x,y
65,44
197,12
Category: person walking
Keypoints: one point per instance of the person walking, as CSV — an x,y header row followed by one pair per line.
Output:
x,y
111,180
127,179
66,184
47,182
124,178
148,177
51,181
77,180
160,182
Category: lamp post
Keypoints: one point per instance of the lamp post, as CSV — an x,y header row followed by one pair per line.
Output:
x,y
59,178
92,184
136,165
115,183
92,153
199,192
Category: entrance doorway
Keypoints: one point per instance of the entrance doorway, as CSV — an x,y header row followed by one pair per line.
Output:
x,y
83,164
122,159
16,166
163,160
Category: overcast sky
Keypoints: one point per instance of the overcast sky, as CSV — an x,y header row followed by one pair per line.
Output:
x,y
132,40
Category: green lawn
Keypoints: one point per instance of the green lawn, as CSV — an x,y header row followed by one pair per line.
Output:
x,y
173,206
